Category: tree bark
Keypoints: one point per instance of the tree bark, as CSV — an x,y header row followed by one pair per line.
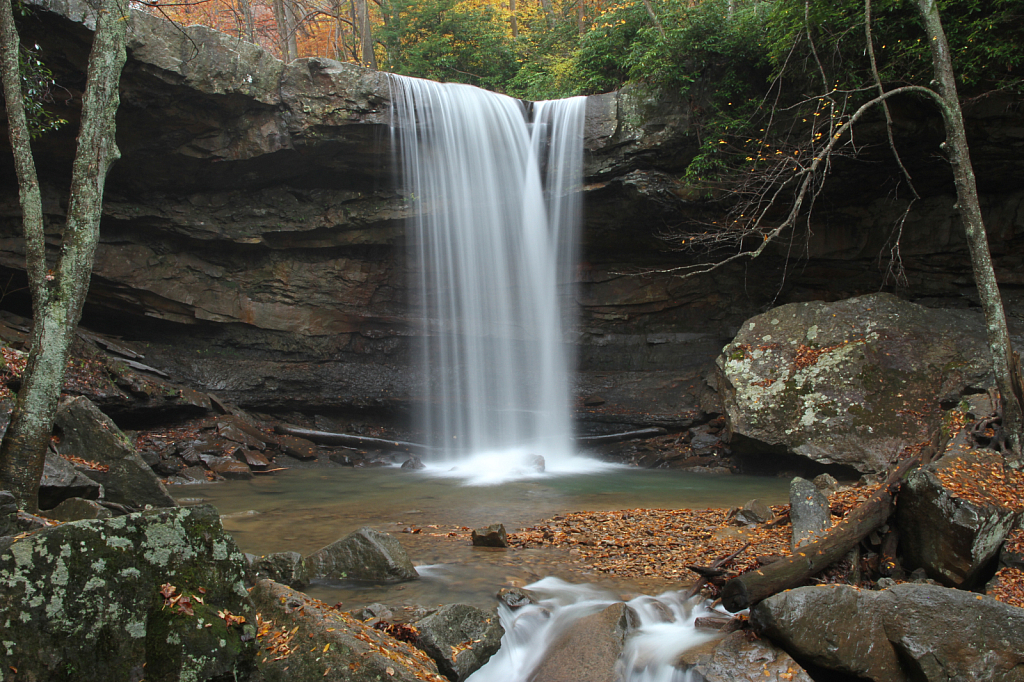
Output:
x,y
248,22
512,18
753,586
287,41
656,21
57,298
368,57
970,215
347,440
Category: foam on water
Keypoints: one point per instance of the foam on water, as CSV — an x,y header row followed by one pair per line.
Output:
x,y
666,630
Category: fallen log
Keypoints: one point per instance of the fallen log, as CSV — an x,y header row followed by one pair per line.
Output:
x,y
619,437
365,442
751,587
368,443
703,571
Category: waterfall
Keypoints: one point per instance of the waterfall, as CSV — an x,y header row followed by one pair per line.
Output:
x,y
495,187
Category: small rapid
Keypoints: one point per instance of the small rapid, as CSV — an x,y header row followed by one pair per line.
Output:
x,y
666,629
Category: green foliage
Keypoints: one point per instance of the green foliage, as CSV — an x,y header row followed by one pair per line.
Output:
x,y
984,39
37,85
449,41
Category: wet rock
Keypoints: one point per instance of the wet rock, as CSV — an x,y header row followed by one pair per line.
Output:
x,y
365,554
460,638
77,509
826,483
62,481
589,649
299,448
809,512
91,435
739,658
286,568
374,612
334,645
952,538
254,459
536,463
195,474
703,442
593,401
906,632
824,381
83,600
753,512
238,430
229,468
491,536
413,462
516,597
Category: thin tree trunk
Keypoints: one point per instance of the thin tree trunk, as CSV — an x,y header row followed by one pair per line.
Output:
x,y
248,23
970,215
512,18
579,17
546,6
368,58
57,298
286,40
656,21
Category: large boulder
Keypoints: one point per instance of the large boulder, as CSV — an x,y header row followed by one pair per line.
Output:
x,y
589,648
851,382
365,554
143,595
89,434
460,638
304,639
952,521
282,567
907,632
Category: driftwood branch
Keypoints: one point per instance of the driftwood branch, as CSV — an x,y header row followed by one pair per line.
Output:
x,y
368,443
365,442
753,586
619,437
705,572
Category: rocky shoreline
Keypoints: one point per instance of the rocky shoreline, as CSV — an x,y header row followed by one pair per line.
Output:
x,y
194,607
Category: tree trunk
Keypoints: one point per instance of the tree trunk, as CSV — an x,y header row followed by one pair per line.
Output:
x,y
548,18
57,298
287,42
654,18
248,23
368,58
512,18
753,586
970,215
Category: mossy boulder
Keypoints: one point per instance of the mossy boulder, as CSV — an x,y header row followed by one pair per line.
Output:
x,y
849,383
143,596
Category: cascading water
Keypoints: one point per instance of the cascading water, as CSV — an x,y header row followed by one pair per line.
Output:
x,y
497,205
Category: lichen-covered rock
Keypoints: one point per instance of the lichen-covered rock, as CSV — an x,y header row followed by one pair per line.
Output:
x,y
8,514
740,658
324,643
952,538
906,632
139,596
90,434
282,567
460,638
365,554
851,382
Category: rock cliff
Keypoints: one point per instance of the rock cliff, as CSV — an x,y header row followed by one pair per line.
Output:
x,y
252,237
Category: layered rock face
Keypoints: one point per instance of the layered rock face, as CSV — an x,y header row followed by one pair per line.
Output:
x,y
253,236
